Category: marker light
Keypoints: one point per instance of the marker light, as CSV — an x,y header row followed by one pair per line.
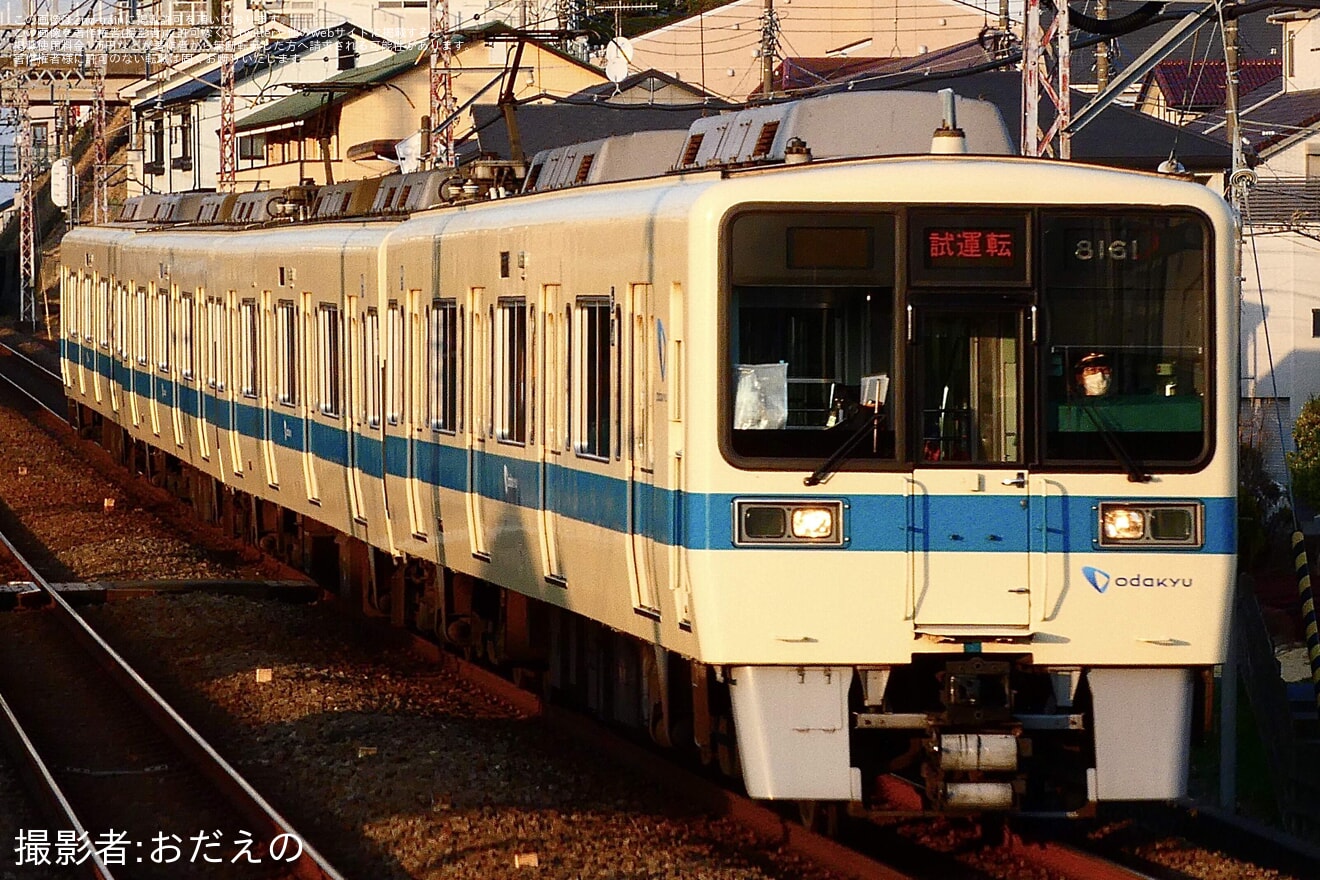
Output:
x,y
813,522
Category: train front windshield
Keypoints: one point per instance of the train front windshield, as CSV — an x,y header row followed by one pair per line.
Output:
x,y
967,337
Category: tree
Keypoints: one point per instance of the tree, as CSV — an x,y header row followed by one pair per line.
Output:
x,y
1305,462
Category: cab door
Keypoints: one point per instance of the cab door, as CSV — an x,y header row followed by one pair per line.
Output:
x,y
969,505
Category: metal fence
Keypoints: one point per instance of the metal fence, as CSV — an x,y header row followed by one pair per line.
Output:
x,y
9,160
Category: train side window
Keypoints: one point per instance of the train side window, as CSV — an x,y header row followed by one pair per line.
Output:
x,y
68,303
187,319
396,365
86,313
442,335
163,331
329,357
215,343
122,317
140,328
286,321
511,378
371,368
592,392
103,314
248,348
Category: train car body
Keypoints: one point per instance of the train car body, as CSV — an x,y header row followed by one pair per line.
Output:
x,y
905,480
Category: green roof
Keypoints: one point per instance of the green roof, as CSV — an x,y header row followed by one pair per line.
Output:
x,y
304,105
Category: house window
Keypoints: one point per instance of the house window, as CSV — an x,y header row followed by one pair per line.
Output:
x,y
511,362
442,335
252,147
592,391
286,352
40,141
1315,323
329,357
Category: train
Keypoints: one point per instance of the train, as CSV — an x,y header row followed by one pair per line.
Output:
x,y
827,442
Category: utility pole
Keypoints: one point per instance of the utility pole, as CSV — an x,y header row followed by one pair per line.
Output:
x,y
769,32
1101,49
227,175
1231,122
441,154
27,223
100,173
1036,78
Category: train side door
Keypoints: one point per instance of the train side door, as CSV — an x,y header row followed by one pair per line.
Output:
x,y
554,424
480,389
642,515
969,505
118,368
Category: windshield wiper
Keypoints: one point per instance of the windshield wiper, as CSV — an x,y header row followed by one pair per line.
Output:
x,y
871,425
1130,464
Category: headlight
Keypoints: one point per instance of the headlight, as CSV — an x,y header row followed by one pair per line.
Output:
x,y
813,522
1124,524
763,522
1130,524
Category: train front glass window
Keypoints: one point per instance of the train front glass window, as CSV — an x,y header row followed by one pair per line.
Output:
x,y
810,335
1126,348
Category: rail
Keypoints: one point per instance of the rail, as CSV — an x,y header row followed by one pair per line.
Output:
x,y
310,864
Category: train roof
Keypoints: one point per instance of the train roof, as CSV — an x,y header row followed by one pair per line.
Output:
x,y
772,137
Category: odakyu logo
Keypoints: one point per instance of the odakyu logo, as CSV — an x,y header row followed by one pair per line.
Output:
x,y
1102,580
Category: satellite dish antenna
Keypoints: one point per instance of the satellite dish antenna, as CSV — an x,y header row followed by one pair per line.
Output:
x,y
618,54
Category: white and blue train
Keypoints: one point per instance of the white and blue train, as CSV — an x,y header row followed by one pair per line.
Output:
x,y
905,481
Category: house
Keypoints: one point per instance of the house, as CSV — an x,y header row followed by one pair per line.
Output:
x,y
1280,334
720,49
176,113
1258,38
648,87
548,126
798,76
1181,90
312,133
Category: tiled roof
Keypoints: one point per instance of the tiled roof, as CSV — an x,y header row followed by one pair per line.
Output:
x,y
547,126
1267,124
609,89
260,60
1257,38
1201,85
304,105
798,75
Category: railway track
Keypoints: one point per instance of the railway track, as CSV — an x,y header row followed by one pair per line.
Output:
x,y
36,382
1049,860
132,791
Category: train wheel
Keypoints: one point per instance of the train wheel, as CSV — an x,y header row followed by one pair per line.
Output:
x,y
821,817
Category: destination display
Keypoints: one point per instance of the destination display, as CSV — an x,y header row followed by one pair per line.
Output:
x,y
830,247
968,249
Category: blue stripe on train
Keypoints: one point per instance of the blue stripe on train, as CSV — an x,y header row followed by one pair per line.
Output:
x,y
698,521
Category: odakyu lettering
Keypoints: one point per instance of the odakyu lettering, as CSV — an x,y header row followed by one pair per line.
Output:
x,y
1102,580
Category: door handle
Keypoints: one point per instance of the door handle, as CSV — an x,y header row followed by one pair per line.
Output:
x,y
1020,481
